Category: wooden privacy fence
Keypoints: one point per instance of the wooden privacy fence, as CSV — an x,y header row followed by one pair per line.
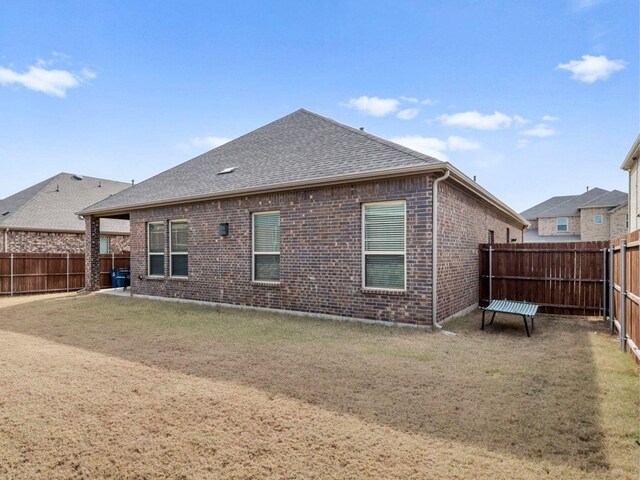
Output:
x,y
624,291
563,278
28,273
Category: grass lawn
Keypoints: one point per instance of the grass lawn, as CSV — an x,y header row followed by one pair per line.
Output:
x,y
100,386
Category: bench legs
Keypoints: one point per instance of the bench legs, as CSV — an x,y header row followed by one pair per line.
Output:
x,y
524,317
526,327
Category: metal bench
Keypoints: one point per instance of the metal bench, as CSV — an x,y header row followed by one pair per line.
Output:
x,y
514,308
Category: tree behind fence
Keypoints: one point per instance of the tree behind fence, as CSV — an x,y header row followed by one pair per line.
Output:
x,y
30,273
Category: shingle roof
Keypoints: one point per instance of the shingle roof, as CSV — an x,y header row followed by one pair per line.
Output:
x,y
298,147
535,211
570,205
611,199
51,204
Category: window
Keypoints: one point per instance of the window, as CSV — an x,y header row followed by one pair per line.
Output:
x,y
562,224
492,237
155,248
508,235
266,247
597,219
104,244
179,265
384,245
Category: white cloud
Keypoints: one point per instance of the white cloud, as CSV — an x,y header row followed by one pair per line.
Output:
x,y
585,4
591,69
435,147
518,120
374,106
431,146
428,101
477,120
409,99
51,82
209,142
460,143
541,130
408,113
549,118
523,143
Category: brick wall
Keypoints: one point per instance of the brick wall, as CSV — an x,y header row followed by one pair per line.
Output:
x,y
321,260
618,222
463,223
321,256
548,226
589,230
53,242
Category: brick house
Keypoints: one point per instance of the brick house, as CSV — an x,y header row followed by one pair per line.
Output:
x,y
307,214
43,219
597,214
630,164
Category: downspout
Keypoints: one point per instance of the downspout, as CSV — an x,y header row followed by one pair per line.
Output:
x,y
6,239
434,253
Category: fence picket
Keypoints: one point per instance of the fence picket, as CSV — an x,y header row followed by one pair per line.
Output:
x,y
28,273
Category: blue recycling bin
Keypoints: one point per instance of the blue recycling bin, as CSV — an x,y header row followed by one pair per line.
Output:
x,y
114,277
122,277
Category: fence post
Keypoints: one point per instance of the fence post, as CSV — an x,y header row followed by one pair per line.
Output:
x,y
490,273
623,296
67,271
11,274
611,282
604,284
113,261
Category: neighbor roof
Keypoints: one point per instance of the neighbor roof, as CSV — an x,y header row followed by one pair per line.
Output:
x,y
51,204
569,206
302,148
534,212
612,199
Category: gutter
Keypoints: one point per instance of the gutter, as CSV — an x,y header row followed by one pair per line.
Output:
x,y
434,253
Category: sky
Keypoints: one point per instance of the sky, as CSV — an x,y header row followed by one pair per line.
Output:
x,y
535,98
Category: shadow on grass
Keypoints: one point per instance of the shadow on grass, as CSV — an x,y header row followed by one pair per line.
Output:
x,y
497,389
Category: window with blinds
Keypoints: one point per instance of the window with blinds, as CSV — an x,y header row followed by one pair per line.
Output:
x,y
178,248
266,247
155,248
384,253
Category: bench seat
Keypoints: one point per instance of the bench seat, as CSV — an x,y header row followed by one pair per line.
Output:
x,y
512,307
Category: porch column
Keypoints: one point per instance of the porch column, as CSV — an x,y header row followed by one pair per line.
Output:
x,y
92,253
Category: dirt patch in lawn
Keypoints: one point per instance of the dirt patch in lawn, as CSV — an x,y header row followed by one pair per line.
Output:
x,y
190,390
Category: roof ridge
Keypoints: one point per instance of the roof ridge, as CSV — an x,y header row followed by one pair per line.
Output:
x,y
375,138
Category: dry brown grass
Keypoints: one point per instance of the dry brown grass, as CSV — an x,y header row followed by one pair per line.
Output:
x,y
97,386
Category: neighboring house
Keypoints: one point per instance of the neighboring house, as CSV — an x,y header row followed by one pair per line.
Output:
x,y
597,214
630,164
43,219
310,215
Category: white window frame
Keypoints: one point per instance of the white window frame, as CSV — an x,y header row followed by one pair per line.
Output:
x,y
172,253
149,253
566,224
108,240
395,252
595,219
253,247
